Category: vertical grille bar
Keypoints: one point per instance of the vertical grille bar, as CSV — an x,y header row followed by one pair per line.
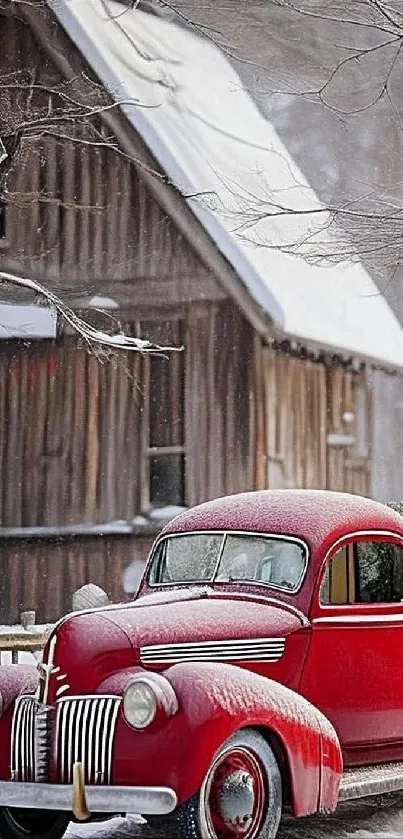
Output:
x,y
31,749
41,742
86,727
108,744
89,760
61,746
23,739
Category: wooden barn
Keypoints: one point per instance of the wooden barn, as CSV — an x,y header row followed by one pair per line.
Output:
x,y
116,214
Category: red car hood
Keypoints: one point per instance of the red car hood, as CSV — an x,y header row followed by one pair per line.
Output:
x,y
90,646
181,620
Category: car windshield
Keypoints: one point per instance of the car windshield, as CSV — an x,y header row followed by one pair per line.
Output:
x,y
277,561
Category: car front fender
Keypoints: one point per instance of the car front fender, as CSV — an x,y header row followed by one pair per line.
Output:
x,y
15,679
215,700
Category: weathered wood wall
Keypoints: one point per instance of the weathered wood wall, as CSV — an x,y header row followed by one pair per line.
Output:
x,y
79,215
301,403
72,448
42,574
68,439
220,403
71,425
387,465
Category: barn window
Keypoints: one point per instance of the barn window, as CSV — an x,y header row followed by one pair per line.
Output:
x,y
163,480
2,221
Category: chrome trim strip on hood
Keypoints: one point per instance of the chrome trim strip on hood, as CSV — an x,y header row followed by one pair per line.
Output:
x,y
249,649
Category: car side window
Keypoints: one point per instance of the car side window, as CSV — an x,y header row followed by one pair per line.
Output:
x,y
364,572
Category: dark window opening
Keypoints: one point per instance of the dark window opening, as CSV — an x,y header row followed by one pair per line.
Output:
x,y
364,572
2,221
167,480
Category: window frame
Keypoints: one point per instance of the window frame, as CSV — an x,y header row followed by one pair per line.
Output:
x,y
225,533
328,611
146,450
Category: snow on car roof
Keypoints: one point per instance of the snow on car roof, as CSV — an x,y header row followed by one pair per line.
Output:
x,y
317,516
183,97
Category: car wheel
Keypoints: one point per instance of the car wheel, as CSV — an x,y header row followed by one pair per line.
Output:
x,y
32,824
240,798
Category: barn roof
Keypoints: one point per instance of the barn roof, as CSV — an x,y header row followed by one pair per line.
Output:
x,y
183,97
317,516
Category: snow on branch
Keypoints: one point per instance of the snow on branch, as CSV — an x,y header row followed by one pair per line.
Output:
x,y
117,341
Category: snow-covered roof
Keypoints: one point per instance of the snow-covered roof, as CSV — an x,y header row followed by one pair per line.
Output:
x,y
184,98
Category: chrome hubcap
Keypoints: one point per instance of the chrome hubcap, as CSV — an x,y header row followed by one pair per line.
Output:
x,y
234,796
236,801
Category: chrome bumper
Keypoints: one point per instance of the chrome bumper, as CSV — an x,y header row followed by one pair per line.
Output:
x,y
147,801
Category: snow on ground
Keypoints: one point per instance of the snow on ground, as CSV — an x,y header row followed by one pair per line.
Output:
x,y
376,819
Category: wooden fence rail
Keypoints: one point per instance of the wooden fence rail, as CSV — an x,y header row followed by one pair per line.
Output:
x,y
21,642
23,638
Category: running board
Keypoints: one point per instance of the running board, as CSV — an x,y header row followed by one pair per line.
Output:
x,y
362,781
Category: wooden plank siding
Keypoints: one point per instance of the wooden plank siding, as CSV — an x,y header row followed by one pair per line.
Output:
x,y
71,425
65,456
79,216
300,403
124,246
42,575
387,472
219,403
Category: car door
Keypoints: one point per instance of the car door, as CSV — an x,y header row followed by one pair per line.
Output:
x,y
354,668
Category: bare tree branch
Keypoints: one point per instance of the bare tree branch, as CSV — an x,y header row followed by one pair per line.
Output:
x,y
117,341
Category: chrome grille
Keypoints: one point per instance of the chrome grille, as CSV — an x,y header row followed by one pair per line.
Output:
x,y
84,732
30,738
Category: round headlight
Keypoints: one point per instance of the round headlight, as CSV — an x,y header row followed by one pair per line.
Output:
x,y
139,704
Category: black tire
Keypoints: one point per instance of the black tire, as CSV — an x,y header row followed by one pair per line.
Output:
x,y
195,818
32,824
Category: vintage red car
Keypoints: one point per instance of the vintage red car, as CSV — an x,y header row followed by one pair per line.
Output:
x,y
259,668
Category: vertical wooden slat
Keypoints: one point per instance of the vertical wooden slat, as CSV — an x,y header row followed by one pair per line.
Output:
x,y
260,419
126,233
335,456
68,230
49,211
66,473
52,449
92,441
212,477
78,437
15,582
322,413
98,215
84,240
115,188
3,427
111,476
12,475
39,383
